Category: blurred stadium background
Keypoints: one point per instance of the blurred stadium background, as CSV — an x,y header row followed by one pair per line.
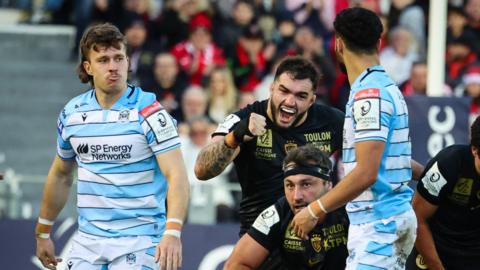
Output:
x,y
37,70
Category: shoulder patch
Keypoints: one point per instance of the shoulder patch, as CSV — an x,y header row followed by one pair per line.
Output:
x,y
150,109
162,125
366,109
434,181
266,220
367,93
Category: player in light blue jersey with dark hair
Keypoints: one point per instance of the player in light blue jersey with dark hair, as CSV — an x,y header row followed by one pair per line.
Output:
x,y
127,151
376,154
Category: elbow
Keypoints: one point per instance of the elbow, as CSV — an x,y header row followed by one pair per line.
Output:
x,y
229,264
200,173
233,264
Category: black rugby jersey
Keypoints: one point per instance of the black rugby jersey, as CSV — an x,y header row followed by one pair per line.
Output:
x,y
326,248
259,163
451,182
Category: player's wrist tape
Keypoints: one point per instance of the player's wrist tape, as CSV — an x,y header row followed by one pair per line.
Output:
x,y
320,204
176,220
175,233
174,224
43,228
241,129
311,211
45,221
42,235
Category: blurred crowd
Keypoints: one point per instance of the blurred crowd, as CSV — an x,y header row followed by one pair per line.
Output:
x,y
207,58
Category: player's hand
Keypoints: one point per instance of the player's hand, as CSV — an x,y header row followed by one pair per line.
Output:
x,y
257,124
303,223
46,253
249,128
169,253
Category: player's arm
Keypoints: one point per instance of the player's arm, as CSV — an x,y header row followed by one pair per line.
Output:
x,y
55,194
216,156
368,155
169,250
417,169
424,242
247,254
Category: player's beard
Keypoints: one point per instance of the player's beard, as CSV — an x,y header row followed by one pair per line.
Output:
x,y
276,109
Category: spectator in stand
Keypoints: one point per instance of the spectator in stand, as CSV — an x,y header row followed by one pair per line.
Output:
x,y
284,36
205,192
252,59
472,8
140,52
417,84
244,99
198,55
168,83
228,30
222,94
460,55
311,47
471,88
408,14
194,104
398,57
457,25
172,26
307,12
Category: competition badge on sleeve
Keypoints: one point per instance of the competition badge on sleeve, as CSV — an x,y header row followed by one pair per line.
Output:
x,y
366,109
160,122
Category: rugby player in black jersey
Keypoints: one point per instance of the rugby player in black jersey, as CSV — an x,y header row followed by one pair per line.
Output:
x,y
306,173
258,137
447,205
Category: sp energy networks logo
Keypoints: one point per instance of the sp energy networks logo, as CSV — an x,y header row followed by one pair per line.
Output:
x,y
104,152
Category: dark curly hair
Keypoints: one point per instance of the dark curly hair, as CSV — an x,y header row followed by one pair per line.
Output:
x,y
299,68
359,28
308,155
103,35
475,133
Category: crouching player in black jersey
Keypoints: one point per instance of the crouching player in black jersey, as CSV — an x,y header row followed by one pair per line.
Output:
x,y
306,177
447,205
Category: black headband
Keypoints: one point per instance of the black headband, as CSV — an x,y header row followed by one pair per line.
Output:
x,y
313,170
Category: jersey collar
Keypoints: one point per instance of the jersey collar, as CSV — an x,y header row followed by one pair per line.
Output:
x,y
365,74
124,100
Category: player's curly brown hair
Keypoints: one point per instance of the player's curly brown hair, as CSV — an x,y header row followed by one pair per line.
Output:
x,y
103,35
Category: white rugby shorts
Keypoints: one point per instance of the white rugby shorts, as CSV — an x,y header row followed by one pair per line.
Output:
x,y
383,244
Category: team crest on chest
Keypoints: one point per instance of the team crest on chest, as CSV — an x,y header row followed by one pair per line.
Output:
x,y
124,116
289,146
316,241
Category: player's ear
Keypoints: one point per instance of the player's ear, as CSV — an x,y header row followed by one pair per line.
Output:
x,y
379,44
474,151
87,67
339,45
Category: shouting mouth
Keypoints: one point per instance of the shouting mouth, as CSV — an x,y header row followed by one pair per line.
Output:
x,y
287,114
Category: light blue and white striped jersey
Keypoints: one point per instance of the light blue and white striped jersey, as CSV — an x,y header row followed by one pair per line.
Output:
x,y
376,110
121,190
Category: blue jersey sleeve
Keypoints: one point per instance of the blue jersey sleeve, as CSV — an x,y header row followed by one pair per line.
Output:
x,y
64,148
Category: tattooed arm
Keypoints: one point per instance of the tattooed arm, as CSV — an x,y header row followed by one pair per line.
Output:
x,y
214,158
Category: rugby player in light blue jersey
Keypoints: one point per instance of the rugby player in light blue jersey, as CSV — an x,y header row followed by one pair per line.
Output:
x,y
376,154
129,162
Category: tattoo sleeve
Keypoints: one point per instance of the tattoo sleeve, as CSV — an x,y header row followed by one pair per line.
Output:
x,y
213,159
